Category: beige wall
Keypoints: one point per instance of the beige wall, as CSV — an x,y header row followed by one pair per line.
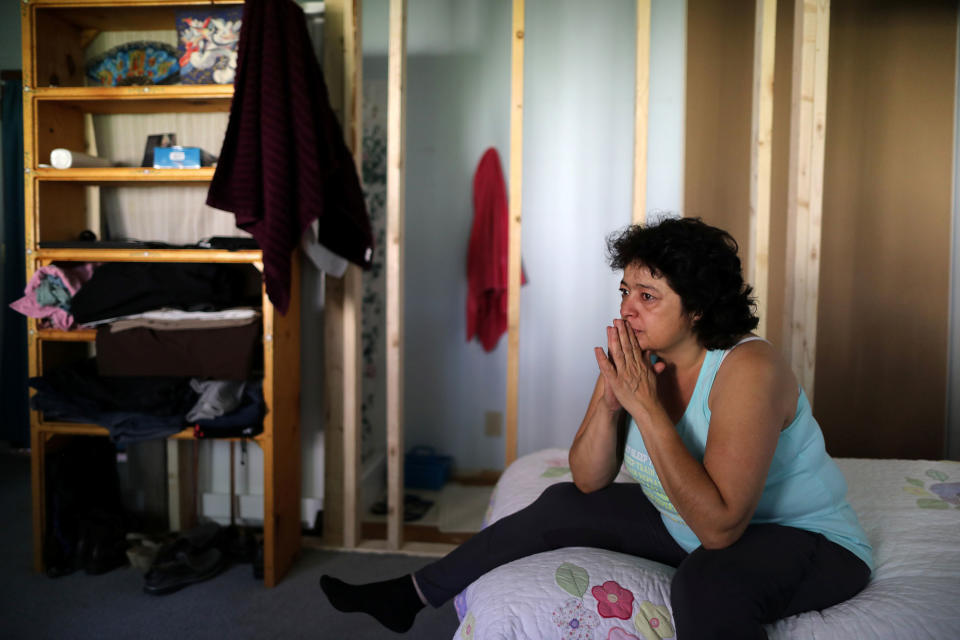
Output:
x,y
719,86
883,310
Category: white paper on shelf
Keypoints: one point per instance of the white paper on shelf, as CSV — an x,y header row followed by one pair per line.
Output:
x,y
66,159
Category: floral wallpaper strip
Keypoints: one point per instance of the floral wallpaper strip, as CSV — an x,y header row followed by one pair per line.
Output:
x,y
373,342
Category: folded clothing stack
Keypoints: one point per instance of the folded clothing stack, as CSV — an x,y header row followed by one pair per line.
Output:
x,y
136,408
124,288
159,319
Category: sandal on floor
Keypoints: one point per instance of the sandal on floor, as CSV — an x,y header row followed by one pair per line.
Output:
x,y
414,507
185,569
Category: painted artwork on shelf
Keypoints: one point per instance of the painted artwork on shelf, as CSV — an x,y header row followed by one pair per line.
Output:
x,y
207,44
134,63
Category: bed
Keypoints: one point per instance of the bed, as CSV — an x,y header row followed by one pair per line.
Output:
x,y
910,510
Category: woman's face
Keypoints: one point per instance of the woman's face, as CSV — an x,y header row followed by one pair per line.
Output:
x,y
653,310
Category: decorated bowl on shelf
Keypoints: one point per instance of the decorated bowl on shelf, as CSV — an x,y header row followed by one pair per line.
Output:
x,y
135,63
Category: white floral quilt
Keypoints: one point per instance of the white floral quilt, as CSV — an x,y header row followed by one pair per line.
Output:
x,y
910,510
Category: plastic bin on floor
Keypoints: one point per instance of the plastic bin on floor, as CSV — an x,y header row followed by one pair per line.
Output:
x,y
424,469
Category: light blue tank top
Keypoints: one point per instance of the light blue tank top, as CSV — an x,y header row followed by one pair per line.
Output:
x,y
804,488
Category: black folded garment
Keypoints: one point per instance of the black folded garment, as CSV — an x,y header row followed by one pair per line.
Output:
x,y
124,288
139,408
131,408
158,395
229,243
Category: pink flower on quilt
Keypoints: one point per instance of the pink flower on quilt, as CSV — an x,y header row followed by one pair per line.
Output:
x,y
613,601
466,630
653,621
619,634
575,621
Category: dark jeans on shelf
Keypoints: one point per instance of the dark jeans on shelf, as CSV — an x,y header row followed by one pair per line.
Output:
x,y
771,572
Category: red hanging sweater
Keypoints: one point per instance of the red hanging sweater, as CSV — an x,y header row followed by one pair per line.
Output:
x,y
487,254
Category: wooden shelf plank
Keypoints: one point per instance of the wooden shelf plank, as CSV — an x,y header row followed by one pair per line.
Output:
x,y
74,335
82,429
122,15
149,255
179,98
187,434
150,92
71,428
131,175
117,5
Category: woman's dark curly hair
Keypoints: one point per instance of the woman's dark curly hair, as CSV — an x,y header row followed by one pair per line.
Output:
x,y
700,263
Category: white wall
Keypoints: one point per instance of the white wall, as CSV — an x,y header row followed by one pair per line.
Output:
x,y
578,157
577,190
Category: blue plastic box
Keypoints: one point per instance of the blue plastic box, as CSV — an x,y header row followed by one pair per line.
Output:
x,y
180,158
423,469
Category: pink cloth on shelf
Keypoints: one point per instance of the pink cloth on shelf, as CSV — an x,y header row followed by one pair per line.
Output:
x,y
72,277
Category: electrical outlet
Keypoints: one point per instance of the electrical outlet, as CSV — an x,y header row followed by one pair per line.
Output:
x,y
493,423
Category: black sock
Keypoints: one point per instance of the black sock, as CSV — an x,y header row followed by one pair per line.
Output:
x,y
394,603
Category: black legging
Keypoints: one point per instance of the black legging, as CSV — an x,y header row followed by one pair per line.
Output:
x,y
771,572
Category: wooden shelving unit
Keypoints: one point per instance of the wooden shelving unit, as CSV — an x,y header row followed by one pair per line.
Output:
x,y
55,34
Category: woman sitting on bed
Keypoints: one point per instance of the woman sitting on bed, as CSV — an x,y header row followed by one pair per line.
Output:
x,y
734,487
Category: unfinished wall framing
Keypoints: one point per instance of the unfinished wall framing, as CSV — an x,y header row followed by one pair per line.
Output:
x,y
806,159
732,177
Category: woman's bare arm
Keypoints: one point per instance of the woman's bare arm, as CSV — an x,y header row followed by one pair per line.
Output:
x,y
750,402
717,498
595,454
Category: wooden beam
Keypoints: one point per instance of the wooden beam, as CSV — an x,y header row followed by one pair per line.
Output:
x,y
334,354
641,113
353,284
396,154
343,297
353,79
352,320
805,191
761,146
333,424
281,444
333,54
516,211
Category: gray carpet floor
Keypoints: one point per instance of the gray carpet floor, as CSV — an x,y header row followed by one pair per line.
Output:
x,y
232,605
